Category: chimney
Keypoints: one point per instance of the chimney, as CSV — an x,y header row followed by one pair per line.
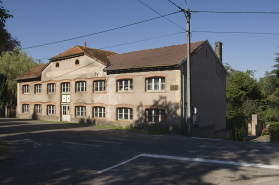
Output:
x,y
218,49
84,45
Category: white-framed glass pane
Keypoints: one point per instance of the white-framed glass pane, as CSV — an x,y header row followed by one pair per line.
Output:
x,y
156,83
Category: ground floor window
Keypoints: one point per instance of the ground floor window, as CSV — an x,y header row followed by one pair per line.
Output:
x,y
80,111
155,115
38,109
99,112
25,108
125,114
51,109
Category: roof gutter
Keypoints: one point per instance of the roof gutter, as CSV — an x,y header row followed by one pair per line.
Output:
x,y
26,78
174,65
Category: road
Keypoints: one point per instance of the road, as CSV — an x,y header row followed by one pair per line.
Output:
x,y
53,153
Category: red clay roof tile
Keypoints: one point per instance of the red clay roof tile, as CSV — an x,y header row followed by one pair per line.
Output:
x,y
33,73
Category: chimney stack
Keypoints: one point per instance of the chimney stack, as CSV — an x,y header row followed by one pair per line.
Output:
x,y
218,49
84,44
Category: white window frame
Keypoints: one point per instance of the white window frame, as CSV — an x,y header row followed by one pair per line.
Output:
x,y
152,87
38,88
65,87
153,115
99,86
51,109
80,111
51,88
25,108
122,111
97,111
81,86
128,87
38,108
26,89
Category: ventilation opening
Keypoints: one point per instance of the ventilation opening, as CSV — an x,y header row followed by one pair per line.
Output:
x,y
77,62
57,64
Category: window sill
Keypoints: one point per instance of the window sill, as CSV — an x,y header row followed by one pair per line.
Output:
x,y
159,91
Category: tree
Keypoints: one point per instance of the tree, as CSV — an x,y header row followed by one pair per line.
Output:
x,y
7,42
243,99
10,70
276,66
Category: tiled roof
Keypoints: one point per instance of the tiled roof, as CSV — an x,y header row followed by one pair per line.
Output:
x,y
99,55
33,73
164,56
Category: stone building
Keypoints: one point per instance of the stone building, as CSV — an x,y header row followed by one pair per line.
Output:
x,y
137,88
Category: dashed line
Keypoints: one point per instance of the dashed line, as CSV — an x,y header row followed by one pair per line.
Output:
x,y
231,163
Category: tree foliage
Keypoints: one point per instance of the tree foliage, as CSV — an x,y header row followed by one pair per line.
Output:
x,y
13,64
7,42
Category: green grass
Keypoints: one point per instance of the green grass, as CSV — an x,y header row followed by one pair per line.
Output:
x,y
4,148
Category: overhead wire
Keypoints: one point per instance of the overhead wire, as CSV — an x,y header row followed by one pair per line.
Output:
x,y
161,15
112,29
229,12
236,32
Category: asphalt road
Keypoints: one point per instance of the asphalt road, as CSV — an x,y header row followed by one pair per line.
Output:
x,y
52,153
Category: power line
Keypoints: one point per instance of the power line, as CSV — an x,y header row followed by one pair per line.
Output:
x,y
101,31
161,15
186,4
198,11
235,32
176,5
134,41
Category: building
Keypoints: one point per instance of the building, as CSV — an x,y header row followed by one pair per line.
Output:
x,y
137,88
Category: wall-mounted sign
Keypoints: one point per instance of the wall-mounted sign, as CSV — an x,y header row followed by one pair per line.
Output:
x,y
65,98
173,87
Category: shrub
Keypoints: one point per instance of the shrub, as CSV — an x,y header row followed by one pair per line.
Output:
x,y
265,131
274,132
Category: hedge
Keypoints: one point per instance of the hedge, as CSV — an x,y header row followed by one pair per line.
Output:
x,y
274,132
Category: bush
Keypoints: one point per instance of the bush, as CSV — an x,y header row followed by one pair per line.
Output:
x,y
274,132
265,131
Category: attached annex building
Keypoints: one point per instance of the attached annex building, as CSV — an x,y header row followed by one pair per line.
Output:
x,y
136,88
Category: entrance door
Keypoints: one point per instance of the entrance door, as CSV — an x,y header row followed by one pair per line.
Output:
x,y
66,113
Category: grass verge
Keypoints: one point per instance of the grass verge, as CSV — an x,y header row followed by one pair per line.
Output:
x,y
5,148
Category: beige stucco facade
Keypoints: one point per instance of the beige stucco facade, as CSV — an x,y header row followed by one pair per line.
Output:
x,y
208,78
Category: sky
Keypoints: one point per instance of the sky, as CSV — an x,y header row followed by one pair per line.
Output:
x,y
37,22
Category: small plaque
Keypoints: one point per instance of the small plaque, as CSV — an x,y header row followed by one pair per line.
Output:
x,y
173,87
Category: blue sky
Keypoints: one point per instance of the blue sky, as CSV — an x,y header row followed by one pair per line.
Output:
x,y
39,22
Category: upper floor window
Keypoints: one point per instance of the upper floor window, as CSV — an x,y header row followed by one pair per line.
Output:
x,y
51,109
125,114
155,115
65,87
25,108
81,86
99,112
57,64
38,109
125,85
26,89
77,62
80,111
38,88
155,84
51,88
99,86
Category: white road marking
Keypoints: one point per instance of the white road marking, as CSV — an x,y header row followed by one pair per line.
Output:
x,y
102,141
205,138
232,163
72,143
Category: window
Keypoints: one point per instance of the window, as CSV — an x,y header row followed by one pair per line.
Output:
x,y
51,109
125,114
81,86
57,64
80,111
38,109
125,85
51,88
155,115
99,112
26,89
65,87
99,86
77,62
155,84
25,108
38,88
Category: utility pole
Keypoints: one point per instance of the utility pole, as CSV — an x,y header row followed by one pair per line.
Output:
x,y
188,87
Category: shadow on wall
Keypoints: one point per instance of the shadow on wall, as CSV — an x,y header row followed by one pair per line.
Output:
x,y
171,123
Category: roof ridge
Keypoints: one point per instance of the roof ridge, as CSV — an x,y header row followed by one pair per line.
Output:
x,y
160,47
97,49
